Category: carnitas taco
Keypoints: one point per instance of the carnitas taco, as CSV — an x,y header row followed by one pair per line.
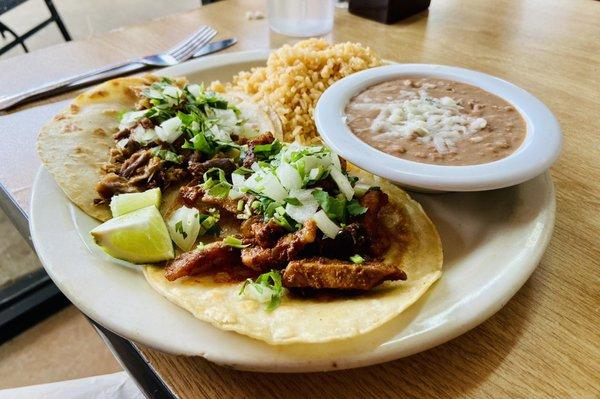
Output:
x,y
278,241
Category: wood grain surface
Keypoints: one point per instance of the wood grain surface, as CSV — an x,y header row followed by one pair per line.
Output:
x,y
545,341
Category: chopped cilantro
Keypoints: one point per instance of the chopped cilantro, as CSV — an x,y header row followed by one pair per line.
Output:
x,y
270,280
209,223
220,190
354,208
242,171
120,115
357,259
335,208
166,155
234,242
293,201
179,229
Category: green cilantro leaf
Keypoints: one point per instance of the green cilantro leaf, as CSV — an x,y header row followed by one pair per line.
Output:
x,y
166,155
354,208
357,259
335,208
271,280
292,201
179,229
234,242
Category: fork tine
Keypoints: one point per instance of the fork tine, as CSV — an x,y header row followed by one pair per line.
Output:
x,y
185,41
186,51
194,42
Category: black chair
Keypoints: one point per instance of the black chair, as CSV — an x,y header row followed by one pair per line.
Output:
x,y
6,5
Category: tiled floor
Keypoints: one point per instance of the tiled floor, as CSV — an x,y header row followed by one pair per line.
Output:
x,y
64,346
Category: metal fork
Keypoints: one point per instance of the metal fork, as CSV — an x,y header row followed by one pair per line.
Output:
x,y
179,53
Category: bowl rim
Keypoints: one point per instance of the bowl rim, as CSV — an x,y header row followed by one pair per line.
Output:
x,y
540,148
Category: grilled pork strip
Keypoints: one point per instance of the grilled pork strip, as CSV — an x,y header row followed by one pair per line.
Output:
x,y
322,273
211,257
265,234
287,248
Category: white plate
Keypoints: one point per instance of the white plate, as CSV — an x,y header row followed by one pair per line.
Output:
x,y
539,150
492,242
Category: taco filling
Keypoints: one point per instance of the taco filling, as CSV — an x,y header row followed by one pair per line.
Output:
x,y
301,221
173,130
301,213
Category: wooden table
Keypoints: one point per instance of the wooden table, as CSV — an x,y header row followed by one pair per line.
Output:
x,y
545,341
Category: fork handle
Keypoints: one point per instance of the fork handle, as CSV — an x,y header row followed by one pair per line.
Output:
x,y
9,101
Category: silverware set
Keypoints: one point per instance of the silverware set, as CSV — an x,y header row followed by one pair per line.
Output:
x,y
196,45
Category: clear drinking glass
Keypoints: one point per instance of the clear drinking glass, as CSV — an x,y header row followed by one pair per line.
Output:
x,y
301,18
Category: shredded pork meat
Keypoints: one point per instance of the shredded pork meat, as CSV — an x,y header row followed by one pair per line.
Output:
x,y
194,194
198,169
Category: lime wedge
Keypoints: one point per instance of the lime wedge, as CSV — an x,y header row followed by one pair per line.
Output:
x,y
125,203
139,237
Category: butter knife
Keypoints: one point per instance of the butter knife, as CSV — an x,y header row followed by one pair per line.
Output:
x,y
214,47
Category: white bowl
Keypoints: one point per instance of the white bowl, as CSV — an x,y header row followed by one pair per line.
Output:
x,y
536,154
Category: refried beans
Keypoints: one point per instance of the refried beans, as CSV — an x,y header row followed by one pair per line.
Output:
x,y
436,121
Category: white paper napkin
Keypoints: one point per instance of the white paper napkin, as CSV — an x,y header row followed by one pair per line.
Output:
x,y
109,386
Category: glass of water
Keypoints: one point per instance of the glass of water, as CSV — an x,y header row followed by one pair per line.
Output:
x,y
301,18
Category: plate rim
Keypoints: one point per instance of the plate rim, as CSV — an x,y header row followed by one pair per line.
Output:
x,y
424,341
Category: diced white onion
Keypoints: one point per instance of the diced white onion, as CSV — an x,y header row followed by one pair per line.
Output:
x,y
335,161
169,130
122,143
172,91
342,182
129,118
302,213
259,293
273,189
237,180
326,225
143,136
238,183
289,176
313,162
227,119
219,134
360,189
194,89
307,209
190,225
254,184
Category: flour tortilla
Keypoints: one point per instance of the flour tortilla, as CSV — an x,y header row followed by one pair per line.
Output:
x,y
76,143
416,248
